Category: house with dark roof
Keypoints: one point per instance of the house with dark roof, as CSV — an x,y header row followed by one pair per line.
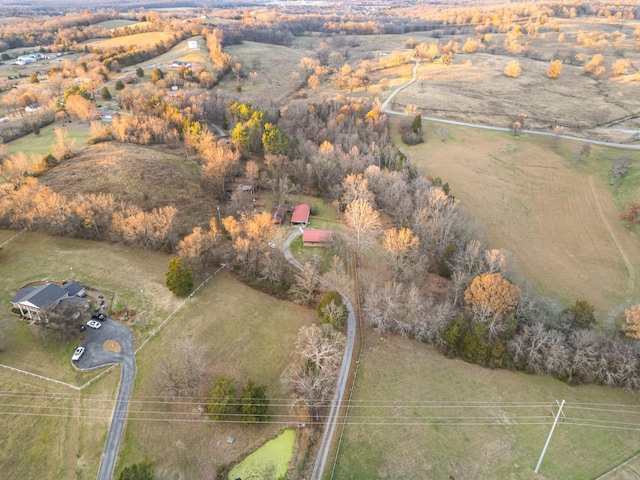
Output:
x,y
34,302
317,238
300,215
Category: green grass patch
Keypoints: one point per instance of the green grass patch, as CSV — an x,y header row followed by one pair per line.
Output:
x,y
247,334
417,414
269,461
41,144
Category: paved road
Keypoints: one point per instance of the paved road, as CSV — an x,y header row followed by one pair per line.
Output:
x,y
343,375
96,356
414,77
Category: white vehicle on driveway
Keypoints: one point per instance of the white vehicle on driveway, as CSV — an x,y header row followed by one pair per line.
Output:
x,y
77,354
94,324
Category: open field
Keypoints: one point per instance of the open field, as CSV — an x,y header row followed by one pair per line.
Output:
x,y
40,144
261,58
55,432
417,414
123,271
117,23
529,201
246,334
140,175
182,53
139,39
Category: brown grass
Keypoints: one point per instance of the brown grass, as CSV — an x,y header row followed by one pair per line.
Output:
x,y
531,202
147,177
247,334
410,401
139,39
274,65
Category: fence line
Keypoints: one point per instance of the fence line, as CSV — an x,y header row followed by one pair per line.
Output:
x,y
41,377
175,310
108,370
16,235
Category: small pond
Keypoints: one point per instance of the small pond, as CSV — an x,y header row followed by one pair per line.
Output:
x,y
269,462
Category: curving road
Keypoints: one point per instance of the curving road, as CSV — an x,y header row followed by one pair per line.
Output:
x,y
111,334
414,77
343,375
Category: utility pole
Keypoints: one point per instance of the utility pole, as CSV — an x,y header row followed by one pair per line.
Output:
x,y
544,450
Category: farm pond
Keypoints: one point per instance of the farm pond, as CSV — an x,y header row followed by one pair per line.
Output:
x,y
269,462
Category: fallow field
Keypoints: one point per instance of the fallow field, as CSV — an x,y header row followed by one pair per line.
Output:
x,y
417,414
560,221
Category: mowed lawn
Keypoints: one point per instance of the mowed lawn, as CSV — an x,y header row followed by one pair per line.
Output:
x,y
247,334
40,145
123,271
560,222
416,414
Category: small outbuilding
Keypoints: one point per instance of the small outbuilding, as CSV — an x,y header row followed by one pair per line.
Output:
x,y
317,238
300,215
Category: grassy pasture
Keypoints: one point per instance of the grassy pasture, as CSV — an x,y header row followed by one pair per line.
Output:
x,y
40,144
182,53
55,432
139,39
247,334
273,64
531,202
398,425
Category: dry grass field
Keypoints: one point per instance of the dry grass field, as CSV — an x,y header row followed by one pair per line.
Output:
x,y
138,39
117,23
273,64
199,59
560,222
417,414
247,334
145,176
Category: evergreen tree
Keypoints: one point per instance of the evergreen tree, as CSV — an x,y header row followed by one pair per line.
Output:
x,y
139,72
105,93
222,394
138,471
119,85
254,403
179,278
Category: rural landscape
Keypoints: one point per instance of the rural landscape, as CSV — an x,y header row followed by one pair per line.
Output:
x,y
320,240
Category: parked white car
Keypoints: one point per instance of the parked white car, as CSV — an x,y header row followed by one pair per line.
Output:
x,y
94,324
77,354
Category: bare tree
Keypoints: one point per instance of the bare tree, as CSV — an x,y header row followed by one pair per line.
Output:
x,y
490,298
63,148
364,222
401,248
312,374
182,371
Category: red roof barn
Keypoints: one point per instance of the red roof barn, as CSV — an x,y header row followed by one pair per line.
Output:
x,y
317,238
300,215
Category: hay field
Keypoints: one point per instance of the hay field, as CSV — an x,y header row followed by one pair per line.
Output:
x,y
531,202
138,39
247,334
417,414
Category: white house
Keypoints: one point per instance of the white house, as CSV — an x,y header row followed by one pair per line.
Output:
x,y
25,59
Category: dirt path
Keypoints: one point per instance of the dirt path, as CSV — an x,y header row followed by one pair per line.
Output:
x,y
627,262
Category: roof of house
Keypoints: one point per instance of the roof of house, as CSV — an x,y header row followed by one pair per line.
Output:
x,y
73,288
317,236
301,213
43,295
22,293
